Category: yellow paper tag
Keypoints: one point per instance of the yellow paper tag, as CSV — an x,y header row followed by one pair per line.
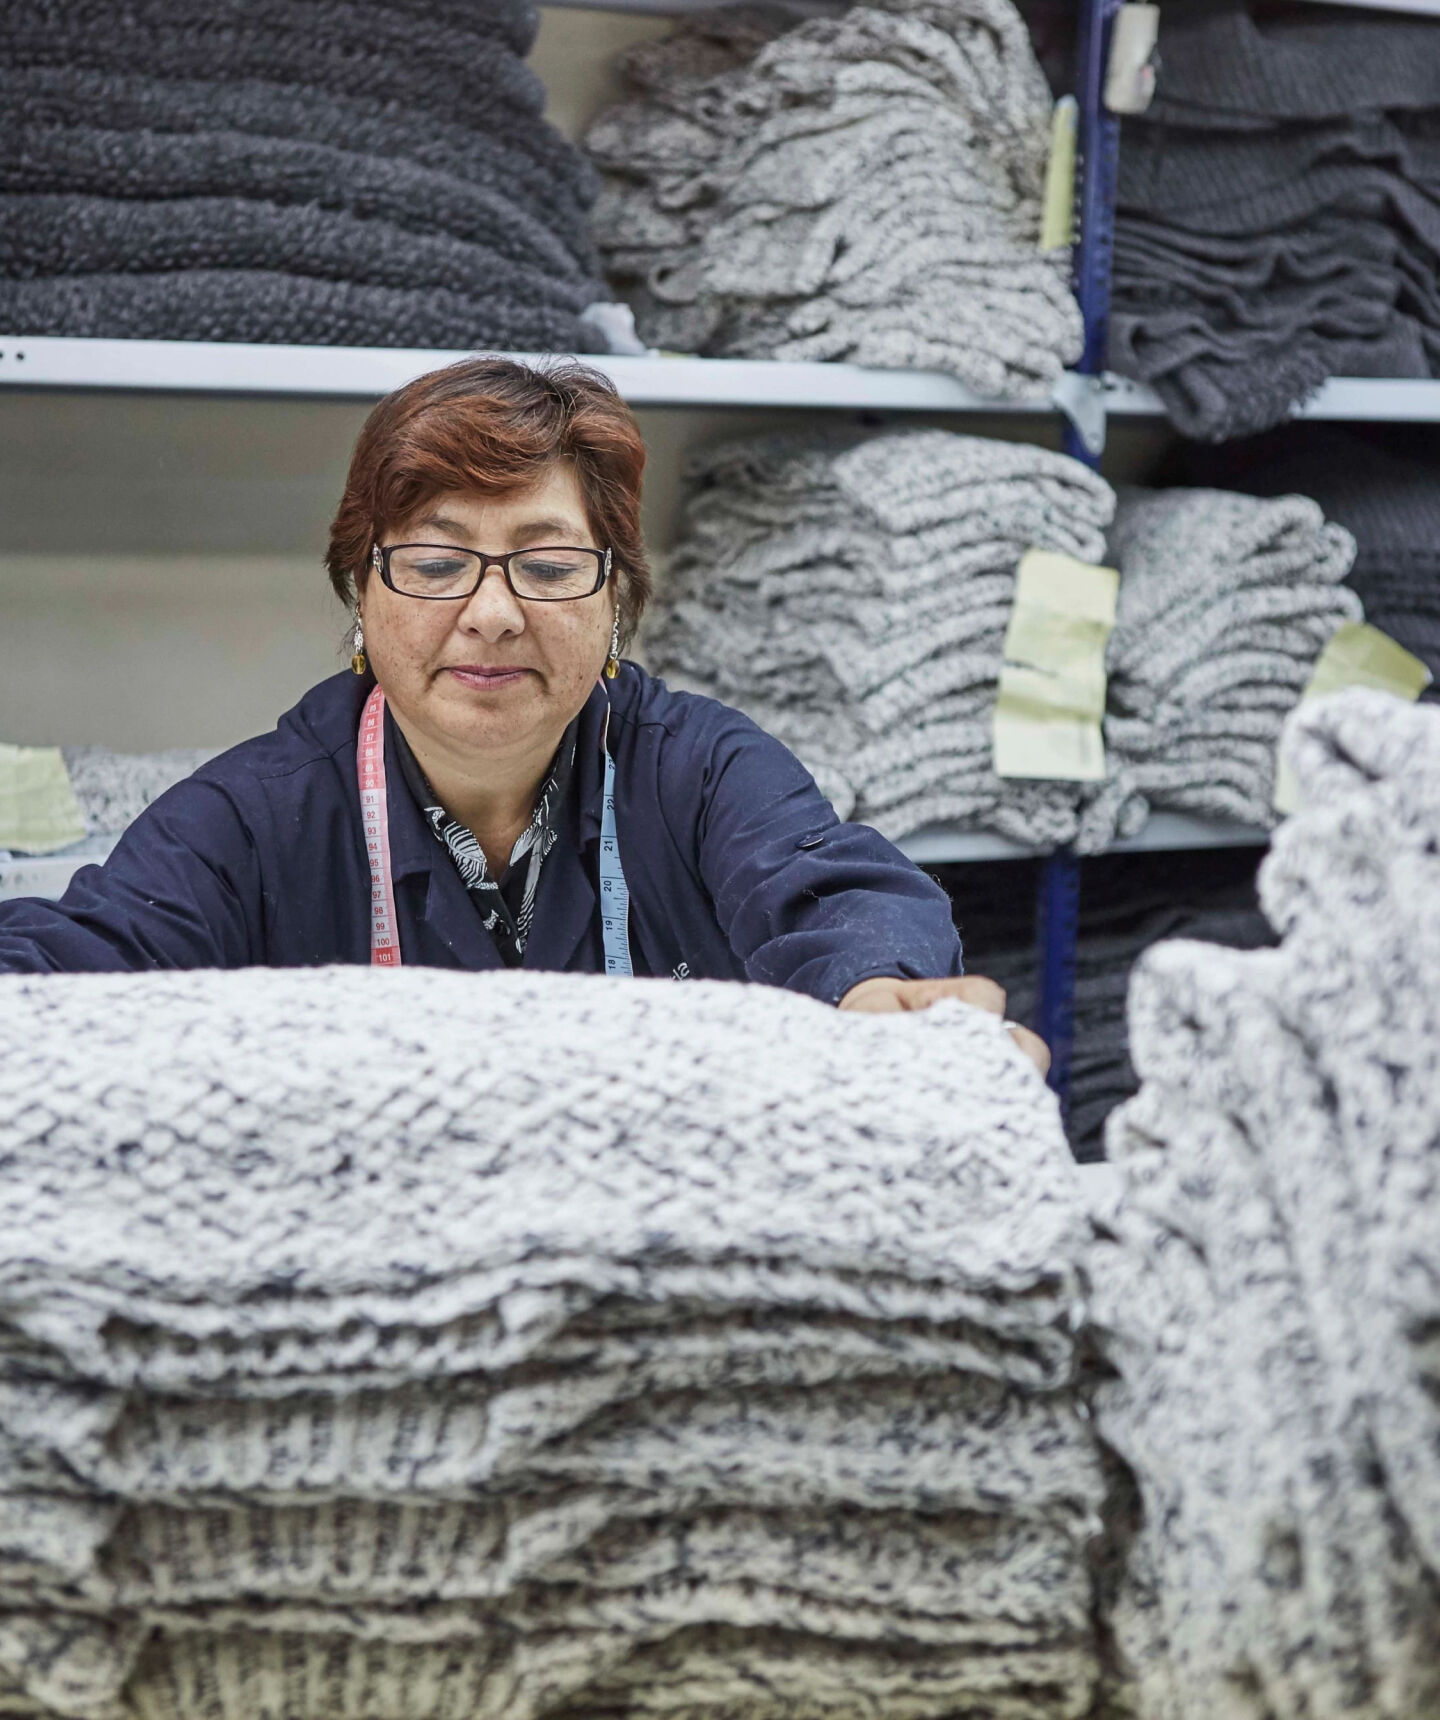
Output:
x,y
1051,697
1357,655
38,808
1057,221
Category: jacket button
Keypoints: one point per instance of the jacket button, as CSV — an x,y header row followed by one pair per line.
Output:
x,y
813,840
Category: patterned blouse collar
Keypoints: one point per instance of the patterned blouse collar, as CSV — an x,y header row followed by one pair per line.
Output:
x,y
507,922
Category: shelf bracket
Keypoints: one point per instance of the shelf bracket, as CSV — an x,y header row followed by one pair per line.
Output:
x,y
1082,399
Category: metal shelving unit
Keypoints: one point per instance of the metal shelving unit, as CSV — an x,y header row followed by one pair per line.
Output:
x,y
365,373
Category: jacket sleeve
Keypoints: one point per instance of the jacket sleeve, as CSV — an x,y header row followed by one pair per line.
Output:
x,y
180,890
806,902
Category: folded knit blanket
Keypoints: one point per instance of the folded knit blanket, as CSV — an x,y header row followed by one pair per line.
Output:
x,y
115,788
215,177
1268,1287
1225,603
854,600
70,114
359,1353
1381,490
864,187
1278,212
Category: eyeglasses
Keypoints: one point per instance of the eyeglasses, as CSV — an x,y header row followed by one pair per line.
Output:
x,y
441,573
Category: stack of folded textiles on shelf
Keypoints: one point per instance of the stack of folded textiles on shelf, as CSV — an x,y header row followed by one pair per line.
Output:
x,y
1127,903
853,599
864,187
345,172
110,790
1279,211
528,1345
1226,601
1267,1287
1379,485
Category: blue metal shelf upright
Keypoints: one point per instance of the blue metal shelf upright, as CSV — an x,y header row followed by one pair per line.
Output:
x,y
1098,157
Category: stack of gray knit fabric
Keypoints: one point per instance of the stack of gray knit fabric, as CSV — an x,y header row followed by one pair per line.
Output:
x,y
1379,484
351,172
853,599
1225,603
866,187
1267,1289
419,1344
112,789
1279,210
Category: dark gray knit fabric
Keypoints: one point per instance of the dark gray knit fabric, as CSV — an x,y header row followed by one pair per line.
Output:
x,y
1128,902
1267,1287
334,171
1279,211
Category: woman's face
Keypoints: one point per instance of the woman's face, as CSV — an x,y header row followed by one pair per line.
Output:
x,y
490,675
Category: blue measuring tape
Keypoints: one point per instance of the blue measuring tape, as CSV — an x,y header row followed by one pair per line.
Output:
x,y
614,892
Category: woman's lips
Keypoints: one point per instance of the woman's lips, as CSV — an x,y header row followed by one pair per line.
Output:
x,y
487,680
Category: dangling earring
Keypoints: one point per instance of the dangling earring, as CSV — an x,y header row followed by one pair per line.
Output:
x,y
612,665
358,664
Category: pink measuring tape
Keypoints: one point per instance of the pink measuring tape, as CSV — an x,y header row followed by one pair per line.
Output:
x,y
375,821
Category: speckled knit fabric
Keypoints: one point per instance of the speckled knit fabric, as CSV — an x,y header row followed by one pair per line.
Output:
x,y
1378,484
419,1344
336,171
1268,1287
1279,211
853,598
864,187
1225,603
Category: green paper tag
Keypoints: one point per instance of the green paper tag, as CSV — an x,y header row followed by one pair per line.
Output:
x,y
1051,696
1057,219
38,808
1357,655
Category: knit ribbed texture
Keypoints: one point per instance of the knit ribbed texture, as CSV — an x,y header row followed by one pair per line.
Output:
x,y
864,187
1385,495
344,171
1268,1288
515,1345
1278,218
1127,904
1225,603
853,599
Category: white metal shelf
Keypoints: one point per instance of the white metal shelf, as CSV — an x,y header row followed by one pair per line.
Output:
x,y
223,367
1421,8
940,845
48,874
1357,398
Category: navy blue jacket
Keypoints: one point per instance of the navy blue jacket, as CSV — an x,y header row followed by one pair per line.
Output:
x,y
736,865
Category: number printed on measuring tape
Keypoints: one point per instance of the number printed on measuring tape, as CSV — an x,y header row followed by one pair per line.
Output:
x,y
375,821
614,892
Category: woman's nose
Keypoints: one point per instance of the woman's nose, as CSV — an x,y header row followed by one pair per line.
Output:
x,y
493,610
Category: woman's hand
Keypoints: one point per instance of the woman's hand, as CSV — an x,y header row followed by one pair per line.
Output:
x,y
883,996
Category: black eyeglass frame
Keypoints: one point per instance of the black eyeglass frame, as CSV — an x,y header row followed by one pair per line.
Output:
x,y
604,561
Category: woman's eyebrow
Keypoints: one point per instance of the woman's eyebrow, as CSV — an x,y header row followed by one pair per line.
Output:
x,y
534,529
442,523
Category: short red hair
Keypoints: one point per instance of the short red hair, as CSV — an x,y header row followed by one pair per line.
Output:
x,y
491,425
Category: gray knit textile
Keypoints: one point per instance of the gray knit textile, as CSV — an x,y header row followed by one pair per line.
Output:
x,y
853,599
346,172
1279,211
1381,487
421,1344
866,187
1225,603
1268,1288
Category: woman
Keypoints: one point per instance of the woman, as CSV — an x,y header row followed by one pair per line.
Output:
x,y
493,785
